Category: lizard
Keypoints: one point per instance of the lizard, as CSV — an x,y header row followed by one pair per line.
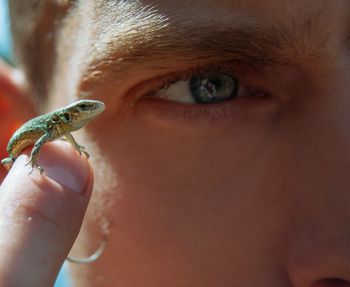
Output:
x,y
49,127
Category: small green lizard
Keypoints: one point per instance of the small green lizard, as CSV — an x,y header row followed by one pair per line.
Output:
x,y
49,127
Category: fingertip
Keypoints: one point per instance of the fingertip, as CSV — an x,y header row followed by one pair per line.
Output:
x,y
66,166
42,212
60,163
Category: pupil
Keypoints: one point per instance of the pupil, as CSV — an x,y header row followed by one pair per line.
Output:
x,y
213,88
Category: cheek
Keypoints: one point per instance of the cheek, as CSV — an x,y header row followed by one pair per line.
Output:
x,y
195,202
193,193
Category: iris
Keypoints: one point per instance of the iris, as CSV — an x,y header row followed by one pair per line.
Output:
x,y
213,87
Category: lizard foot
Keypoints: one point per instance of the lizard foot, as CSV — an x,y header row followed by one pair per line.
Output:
x,y
81,149
35,165
86,154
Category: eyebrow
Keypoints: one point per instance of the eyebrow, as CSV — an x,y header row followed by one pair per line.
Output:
x,y
249,44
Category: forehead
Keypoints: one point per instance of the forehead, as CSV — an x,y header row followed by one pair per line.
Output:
x,y
113,18
263,10
123,24
117,34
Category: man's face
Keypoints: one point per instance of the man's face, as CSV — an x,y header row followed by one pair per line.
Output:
x,y
224,151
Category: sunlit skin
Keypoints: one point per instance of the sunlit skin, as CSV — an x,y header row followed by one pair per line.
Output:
x,y
252,191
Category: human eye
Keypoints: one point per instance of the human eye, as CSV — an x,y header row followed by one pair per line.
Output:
x,y
200,94
202,88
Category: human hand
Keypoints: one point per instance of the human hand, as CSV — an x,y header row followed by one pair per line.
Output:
x,y
40,215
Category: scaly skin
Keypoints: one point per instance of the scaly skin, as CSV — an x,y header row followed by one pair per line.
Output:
x,y
49,127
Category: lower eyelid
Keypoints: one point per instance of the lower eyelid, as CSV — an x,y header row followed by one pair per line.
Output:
x,y
194,114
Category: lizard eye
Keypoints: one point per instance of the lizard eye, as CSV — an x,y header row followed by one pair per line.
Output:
x,y
66,116
83,106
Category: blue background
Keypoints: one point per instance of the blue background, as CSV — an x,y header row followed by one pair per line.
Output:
x,y
5,43
5,53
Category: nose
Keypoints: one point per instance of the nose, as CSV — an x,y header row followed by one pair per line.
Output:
x,y
319,255
319,234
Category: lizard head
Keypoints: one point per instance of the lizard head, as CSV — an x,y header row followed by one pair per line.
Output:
x,y
79,113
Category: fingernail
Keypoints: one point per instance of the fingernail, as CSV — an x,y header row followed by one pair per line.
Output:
x,y
71,175
61,164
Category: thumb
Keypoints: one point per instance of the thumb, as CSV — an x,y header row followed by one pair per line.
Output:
x,y
41,215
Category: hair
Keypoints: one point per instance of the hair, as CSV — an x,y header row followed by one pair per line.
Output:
x,y
34,26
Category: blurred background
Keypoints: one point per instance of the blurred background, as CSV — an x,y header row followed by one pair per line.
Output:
x,y
6,55
5,42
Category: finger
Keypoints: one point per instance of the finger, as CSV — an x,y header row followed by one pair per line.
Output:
x,y
40,215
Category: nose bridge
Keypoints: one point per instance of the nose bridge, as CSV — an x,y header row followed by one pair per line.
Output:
x,y
321,130
319,237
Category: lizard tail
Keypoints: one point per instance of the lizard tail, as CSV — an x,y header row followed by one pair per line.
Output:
x,y
7,163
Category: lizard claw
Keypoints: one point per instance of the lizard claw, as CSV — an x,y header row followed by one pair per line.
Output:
x,y
81,149
86,154
35,165
83,152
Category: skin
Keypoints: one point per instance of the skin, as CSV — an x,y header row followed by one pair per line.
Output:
x,y
248,192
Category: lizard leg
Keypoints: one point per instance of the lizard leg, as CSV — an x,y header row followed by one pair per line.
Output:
x,y
35,152
78,147
73,142
7,163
